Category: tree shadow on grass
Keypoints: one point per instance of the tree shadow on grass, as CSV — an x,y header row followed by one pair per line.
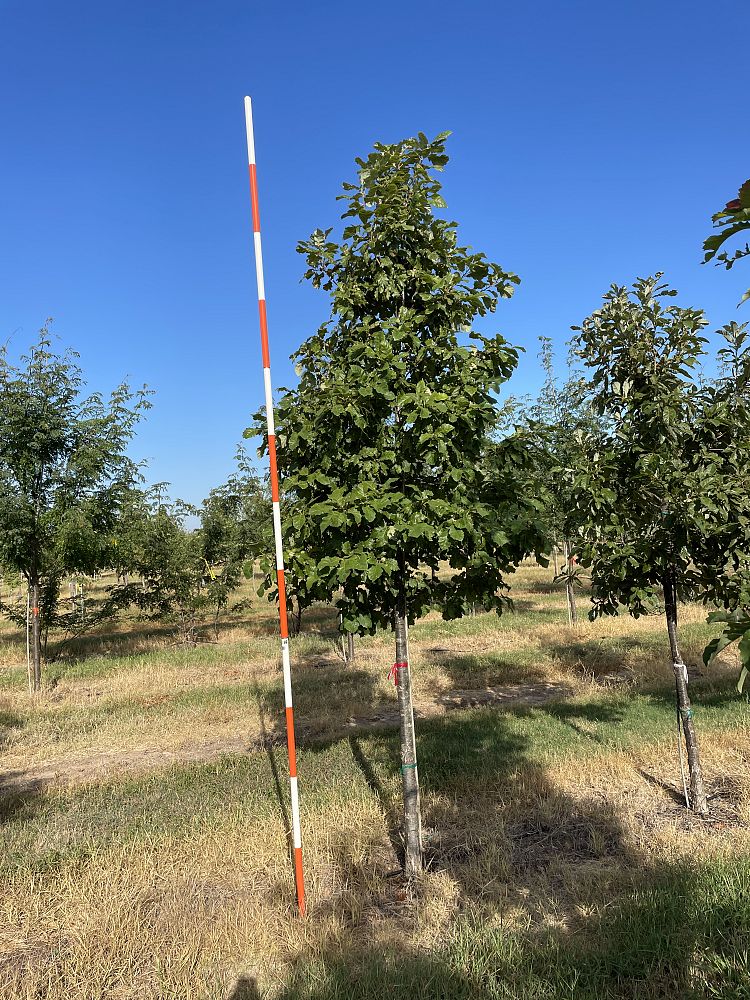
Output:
x,y
488,806
595,658
387,800
603,921
325,699
15,800
650,948
607,655
15,803
488,668
271,741
538,613
599,918
245,989
320,623
341,685
590,720
708,695
8,722
551,588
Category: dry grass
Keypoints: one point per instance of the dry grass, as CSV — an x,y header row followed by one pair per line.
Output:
x,y
153,694
550,830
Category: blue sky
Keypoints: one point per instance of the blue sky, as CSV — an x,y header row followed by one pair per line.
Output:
x,y
591,143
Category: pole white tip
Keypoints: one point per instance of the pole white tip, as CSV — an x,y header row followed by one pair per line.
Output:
x,y
249,130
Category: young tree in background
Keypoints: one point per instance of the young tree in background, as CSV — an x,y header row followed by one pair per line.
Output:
x,y
380,444
154,544
235,529
187,575
64,474
553,426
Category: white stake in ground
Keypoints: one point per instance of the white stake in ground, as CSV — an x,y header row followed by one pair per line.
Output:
x,y
283,624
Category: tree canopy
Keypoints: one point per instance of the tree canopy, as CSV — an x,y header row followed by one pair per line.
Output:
x,y
64,472
381,441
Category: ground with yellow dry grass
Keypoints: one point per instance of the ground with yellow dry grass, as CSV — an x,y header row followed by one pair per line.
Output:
x,y
144,816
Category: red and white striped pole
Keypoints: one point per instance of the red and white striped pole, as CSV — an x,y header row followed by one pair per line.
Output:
x,y
283,624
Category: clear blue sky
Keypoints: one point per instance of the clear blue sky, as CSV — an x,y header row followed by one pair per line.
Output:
x,y
591,143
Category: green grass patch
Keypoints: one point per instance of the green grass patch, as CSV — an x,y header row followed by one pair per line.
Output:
x,y
684,933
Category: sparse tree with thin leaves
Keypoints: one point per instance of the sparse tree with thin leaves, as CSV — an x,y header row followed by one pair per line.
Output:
x,y
553,426
235,520
64,476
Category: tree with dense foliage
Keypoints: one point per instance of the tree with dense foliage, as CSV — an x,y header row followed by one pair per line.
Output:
x,y
394,513
64,475
732,220
660,500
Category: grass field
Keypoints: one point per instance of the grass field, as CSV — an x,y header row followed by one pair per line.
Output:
x,y
144,817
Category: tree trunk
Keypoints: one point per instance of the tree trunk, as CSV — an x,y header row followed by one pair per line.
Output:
x,y
350,647
36,636
698,802
409,775
569,594
554,556
28,641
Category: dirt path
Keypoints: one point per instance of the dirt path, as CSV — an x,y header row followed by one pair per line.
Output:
x,y
138,760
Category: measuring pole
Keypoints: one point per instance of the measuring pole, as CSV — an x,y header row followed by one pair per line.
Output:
x,y
283,624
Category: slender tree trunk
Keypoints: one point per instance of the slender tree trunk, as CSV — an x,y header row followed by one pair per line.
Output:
x,y
569,593
295,618
350,647
36,636
342,636
698,801
28,641
409,774
554,555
